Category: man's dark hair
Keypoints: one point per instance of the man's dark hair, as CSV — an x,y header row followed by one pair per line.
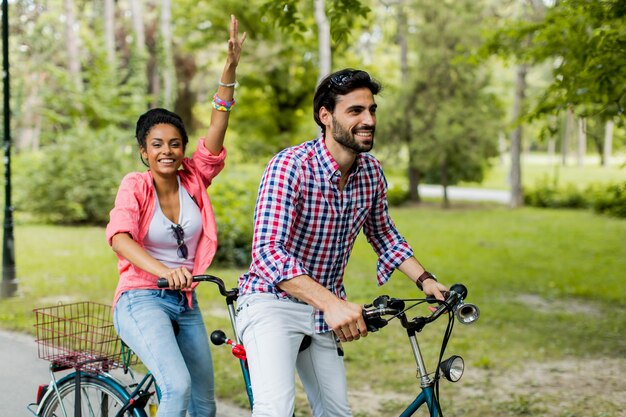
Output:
x,y
158,116
338,84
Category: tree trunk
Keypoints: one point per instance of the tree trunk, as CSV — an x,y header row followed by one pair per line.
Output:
x,y
582,142
551,150
517,192
109,31
444,183
323,36
28,135
567,133
414,182
138,26
607,149
71,40
502,148
406,127
168,58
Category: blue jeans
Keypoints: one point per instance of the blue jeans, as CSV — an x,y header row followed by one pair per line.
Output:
x,y
182,363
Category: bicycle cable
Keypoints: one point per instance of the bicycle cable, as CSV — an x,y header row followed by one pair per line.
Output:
x,y
444,344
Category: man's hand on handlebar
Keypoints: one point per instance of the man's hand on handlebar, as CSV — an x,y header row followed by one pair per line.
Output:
x,y
178,278
434,288
346,320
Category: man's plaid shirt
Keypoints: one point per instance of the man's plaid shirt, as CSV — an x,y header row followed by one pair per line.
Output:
x,y
304,225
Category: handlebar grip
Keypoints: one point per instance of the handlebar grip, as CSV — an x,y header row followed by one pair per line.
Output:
x,y
162,283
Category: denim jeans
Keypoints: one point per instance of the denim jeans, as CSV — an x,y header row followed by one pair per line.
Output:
x,y
181,363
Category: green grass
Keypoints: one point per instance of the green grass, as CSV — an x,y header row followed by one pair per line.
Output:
x,y
550,284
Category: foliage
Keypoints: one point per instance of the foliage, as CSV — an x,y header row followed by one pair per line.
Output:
x,y
586,42
548,194
397,194
342,15
73,180
233,202
611,200
453,116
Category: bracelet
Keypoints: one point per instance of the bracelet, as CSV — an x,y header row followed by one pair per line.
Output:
x,y
233,84
222,105
425,275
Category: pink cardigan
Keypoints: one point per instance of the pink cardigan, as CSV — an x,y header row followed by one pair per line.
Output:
x,y
134,208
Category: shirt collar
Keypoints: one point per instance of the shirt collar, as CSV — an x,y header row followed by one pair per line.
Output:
x,y
328,163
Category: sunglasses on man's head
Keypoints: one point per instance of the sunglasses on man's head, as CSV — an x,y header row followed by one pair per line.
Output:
x,y
179,233
339,80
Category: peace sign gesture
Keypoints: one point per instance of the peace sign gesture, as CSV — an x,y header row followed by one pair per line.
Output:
x,y
235,42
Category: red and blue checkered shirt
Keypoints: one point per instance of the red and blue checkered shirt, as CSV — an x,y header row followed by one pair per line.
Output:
x,y
304,225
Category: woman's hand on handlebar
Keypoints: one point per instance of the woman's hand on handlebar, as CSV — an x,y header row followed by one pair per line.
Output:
x,y
178,278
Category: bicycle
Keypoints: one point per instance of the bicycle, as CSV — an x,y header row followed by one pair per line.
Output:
x,y
80,337
451,368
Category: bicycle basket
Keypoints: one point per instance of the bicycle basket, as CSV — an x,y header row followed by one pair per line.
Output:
x,y
80,335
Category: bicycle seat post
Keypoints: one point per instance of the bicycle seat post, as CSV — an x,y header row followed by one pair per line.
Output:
x,y
419,360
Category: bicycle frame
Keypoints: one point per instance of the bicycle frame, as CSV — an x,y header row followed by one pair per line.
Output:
x,y
427,395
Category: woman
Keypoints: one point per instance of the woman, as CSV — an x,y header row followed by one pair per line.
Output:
x,y
162,225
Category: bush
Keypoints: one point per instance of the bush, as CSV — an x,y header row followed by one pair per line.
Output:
x,y
549,195
610,200
397,195
72,181
233,203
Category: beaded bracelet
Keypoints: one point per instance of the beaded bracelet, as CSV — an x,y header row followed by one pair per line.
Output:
x,y
222,105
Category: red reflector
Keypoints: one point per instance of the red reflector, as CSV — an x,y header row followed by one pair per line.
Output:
x,y
41,391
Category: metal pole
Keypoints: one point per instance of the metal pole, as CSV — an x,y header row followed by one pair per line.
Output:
x,y
9,283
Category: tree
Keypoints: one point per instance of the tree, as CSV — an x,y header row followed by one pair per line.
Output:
x,y
453,119
586,41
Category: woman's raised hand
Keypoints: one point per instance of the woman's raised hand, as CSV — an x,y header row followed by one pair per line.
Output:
x,y
235,42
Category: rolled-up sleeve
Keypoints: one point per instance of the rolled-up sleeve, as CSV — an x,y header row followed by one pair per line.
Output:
x,y
273,218
381,232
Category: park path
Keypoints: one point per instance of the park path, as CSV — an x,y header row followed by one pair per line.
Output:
x,y
466,193
22,371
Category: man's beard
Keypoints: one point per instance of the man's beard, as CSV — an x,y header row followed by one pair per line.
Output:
x,y
347,139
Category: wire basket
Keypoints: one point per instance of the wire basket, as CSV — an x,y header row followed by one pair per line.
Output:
x,y
80,335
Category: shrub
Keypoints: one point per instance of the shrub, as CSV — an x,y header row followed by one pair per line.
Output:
x,y
397,194
610,200
548,195
233,202
72,181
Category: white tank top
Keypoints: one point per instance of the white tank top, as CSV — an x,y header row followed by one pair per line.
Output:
x,y
160,241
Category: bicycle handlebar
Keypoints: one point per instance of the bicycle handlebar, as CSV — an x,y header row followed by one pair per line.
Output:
x,y
374,313
232,293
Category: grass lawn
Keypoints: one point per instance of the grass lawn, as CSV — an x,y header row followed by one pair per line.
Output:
x,y
550,285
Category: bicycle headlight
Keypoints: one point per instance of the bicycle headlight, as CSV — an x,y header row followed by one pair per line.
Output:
x,y
452,368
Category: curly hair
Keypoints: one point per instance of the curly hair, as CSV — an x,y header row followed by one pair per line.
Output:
x,y
158,116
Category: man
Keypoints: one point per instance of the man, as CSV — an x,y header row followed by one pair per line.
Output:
x,y
313,201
